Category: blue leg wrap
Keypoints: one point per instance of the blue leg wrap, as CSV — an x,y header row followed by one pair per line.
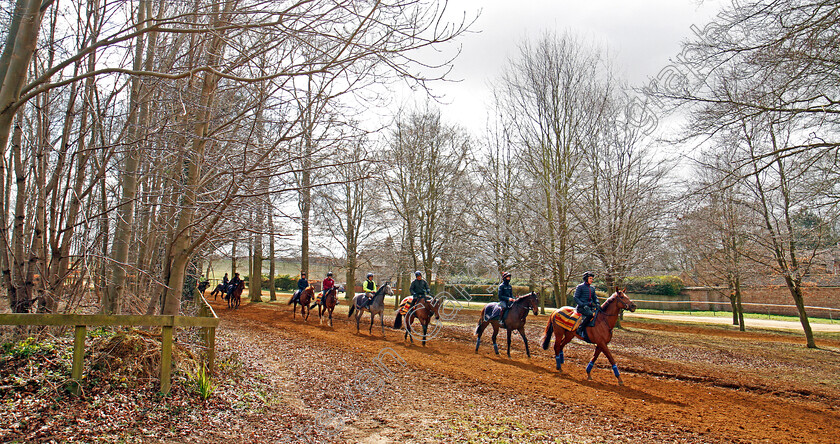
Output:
x,y
589,367
615,370
496,348
559,360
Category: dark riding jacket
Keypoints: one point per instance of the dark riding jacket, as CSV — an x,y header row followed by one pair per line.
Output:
x,y
233,283
419,287
586,299
302,284
505,294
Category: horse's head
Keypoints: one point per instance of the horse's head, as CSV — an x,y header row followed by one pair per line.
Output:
x,y
436,303
623,301
530,300
386,287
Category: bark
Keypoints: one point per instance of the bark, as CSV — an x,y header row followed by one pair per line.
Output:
x,y
128,179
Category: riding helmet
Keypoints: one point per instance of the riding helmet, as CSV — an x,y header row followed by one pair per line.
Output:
x,y
505,275
417,273
329,273
588,274
370,275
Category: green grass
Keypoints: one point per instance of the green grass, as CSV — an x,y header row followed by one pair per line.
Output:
x,y
728,314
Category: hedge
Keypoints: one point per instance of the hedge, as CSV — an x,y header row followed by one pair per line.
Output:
x,y
661,285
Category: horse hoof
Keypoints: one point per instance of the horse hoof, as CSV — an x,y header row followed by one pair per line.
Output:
x,y
588,377
620,382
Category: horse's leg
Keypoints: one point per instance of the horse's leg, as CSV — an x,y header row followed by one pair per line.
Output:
x,y
370,329
591,365
508,338
559,344
294,310
358,319
525,340
495,333
609,355
382,322
331,310
478,332
425,332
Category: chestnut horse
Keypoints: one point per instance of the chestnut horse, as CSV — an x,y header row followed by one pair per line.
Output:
x,y
423,311
236,295
514,320
304,298
600,334
326,305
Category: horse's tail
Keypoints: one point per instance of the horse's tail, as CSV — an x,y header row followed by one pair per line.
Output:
x,y
549,330
352,307
313,305
398,321
480,318
290,300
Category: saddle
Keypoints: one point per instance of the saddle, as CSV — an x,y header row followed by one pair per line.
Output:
x,y
567,318
492,311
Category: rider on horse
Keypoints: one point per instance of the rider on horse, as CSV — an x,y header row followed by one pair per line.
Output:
x,y
505,296
302,284
586,299
225,282
233,283
419,288
326,286
369,287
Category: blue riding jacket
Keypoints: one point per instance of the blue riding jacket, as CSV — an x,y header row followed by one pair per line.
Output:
x,y
586,299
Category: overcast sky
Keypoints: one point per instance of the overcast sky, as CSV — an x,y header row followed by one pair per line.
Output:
x,y
640,36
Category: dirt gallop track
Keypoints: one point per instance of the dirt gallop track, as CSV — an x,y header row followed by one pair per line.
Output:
x,y
682,383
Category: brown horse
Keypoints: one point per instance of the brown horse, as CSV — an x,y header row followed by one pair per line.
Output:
x,y
600,334
326,305
423,311
236,295
219,290
514,320
304,298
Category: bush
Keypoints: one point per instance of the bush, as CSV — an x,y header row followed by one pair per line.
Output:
x,y
661,285
285,282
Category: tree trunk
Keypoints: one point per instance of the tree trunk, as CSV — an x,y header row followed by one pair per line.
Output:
x,y
272,289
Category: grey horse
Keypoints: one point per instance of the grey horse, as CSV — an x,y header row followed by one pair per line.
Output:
x,y
377,307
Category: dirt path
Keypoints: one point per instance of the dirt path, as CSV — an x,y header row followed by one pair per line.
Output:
x,y
748,322
446,393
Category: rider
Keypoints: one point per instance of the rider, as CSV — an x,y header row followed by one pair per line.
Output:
x,y
505,296
302,284
419,288
233,283
326,286
369,287
586,299
225,282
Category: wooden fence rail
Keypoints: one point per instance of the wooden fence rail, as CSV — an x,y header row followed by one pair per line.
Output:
x,y
207,320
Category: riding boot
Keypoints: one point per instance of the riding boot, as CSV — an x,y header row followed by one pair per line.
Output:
x,y
502,318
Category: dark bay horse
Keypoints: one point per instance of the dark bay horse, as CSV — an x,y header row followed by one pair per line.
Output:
x,y
219,290
423,311
304,299
600,334
377,307
236,295
514,320
326,305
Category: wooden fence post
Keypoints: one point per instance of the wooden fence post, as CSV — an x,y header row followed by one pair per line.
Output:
x,y
78,360
211,349
166,359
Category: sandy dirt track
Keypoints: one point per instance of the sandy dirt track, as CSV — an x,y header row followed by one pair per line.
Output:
x,y
683,384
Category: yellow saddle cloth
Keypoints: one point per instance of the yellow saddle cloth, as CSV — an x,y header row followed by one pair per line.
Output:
x,y
567,318
404,305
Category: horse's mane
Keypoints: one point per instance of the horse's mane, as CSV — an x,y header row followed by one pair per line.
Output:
x,y
613,297
523,297
381,289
